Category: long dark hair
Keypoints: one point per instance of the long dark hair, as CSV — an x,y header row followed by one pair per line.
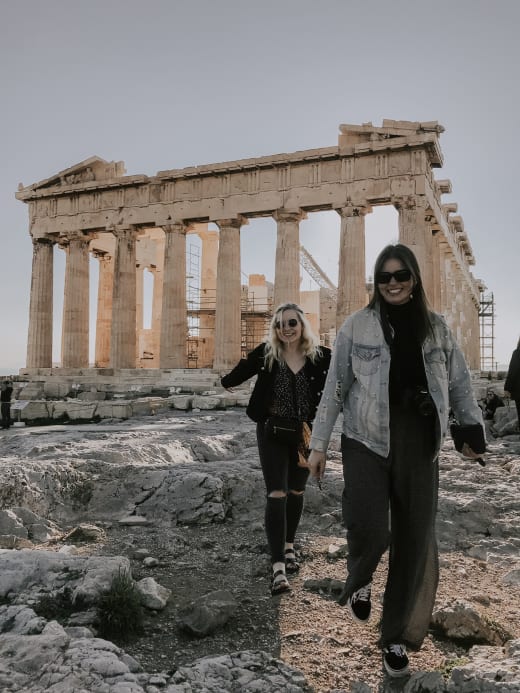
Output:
x,y
418,301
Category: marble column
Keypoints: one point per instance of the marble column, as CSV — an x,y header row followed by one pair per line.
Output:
x,y
75,324
104,308
174,321
39,339
208,292
157,299
287,263
415,232
444,249
140,340
475,322
227,310
351,276
436,271
123,337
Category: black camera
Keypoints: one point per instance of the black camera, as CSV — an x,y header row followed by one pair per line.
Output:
x,y
423,402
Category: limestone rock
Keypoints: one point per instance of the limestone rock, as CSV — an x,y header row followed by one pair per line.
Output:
x,y
461,622
153,595
210,612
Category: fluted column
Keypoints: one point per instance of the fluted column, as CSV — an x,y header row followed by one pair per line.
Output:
x,y
157,298
174,325
459,308
415,232
436,271
39,339
227,310
351,276
287,263
444,249
123,337
104,308
475,321
75,324
208,292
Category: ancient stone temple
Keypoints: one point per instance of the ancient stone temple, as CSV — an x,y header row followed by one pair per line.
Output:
x,y
132,223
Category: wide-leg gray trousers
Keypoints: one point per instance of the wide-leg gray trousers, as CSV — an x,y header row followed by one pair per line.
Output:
x,y
392,502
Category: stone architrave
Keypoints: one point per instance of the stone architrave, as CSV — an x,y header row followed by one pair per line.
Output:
x,y
174,326
415,232
104,308
123,337
39,340
75,324
351,275
287,262
227,310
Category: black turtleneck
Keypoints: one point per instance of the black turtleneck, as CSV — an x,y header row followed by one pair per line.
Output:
x,y
406,365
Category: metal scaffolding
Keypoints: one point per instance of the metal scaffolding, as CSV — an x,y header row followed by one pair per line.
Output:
x,y
487,332
312,268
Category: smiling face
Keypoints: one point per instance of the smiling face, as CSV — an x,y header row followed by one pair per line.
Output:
x,y
288,326
396,292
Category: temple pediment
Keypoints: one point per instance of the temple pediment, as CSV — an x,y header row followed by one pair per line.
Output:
x,y
92,169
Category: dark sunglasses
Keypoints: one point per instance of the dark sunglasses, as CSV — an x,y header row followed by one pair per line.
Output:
x,y
288,323
402,275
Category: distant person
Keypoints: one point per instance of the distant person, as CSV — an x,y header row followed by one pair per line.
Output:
x,y
395,372
5,399
512,384
491,404
291,369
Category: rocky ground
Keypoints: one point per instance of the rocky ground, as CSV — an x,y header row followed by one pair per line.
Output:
x,y
305,628
195,477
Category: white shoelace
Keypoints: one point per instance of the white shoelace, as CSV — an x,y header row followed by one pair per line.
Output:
x,y
398,650
363,593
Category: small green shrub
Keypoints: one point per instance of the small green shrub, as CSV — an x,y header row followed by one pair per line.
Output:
x,y
450,664
119,611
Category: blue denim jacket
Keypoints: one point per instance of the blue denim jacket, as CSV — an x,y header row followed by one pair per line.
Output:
x,y
358,377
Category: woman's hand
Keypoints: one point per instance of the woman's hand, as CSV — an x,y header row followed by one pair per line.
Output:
x,y
317,461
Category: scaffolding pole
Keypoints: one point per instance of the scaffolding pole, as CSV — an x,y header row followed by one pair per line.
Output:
x,y
487,332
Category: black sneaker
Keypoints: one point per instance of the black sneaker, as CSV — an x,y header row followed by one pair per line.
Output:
x,y
359,604
395,660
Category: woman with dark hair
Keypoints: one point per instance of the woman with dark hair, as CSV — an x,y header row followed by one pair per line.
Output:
x,y
291,369
395,371
6,391
512,384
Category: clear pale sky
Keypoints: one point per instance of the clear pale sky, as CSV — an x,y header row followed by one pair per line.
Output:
x,y
171,83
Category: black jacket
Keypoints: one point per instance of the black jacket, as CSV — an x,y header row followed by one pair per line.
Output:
x,y
262,395
512,383
5,394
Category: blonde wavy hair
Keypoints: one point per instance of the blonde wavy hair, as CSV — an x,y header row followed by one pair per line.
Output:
x,y
309,343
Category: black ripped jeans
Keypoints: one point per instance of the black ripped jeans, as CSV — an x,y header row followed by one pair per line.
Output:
x,y
281,473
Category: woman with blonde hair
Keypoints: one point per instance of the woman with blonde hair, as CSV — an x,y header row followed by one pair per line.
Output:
x,y
291,369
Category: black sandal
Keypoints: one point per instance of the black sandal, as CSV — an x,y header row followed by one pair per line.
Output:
x,y
279,583
291,564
